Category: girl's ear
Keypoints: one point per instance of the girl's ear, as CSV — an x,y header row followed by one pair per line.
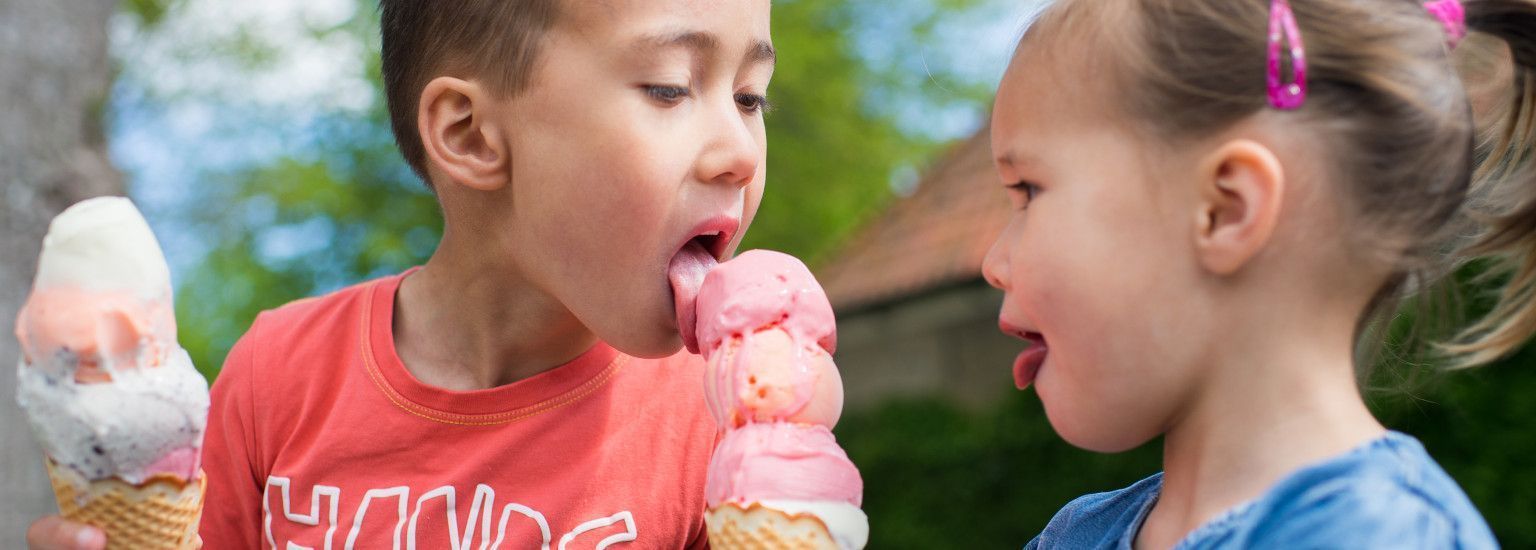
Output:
x,y
1242,191
459,136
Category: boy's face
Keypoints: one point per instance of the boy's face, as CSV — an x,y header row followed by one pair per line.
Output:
x,y
640,132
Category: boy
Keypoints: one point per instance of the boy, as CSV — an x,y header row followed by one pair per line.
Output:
x,y
524,387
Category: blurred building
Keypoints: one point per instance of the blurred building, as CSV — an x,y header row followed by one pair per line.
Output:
x,y
914,315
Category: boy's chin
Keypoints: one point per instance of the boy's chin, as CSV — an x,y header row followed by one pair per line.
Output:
x,y
647,346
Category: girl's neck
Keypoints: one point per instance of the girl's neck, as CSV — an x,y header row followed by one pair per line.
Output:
x,y
1272,401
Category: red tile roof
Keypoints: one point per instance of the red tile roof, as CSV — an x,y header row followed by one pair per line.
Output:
x,y
935,237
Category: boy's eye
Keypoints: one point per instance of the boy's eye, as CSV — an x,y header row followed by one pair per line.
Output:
x,y
751,103
669,95
1027,190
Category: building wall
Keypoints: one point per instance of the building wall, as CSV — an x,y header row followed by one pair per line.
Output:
x,y
942,343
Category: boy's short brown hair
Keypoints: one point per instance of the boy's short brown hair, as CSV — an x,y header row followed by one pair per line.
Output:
x,y
494,41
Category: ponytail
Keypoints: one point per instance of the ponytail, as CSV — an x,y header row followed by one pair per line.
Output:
x,y
1503,197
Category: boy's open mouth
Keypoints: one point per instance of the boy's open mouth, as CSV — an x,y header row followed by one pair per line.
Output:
x,y
714,243
699,254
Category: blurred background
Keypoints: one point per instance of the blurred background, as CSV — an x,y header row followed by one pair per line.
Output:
x,y
254,137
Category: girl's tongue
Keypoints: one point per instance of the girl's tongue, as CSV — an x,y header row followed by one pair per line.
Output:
x,y
1027,365
686,273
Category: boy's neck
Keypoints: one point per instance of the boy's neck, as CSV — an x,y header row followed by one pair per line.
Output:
x,y
465,322
1276,399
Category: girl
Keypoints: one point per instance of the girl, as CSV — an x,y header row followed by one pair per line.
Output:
x,y
1260,179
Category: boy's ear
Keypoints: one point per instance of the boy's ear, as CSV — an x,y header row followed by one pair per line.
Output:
x,y
458,135
1242,190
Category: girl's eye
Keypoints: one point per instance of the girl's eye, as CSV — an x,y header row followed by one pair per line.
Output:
x,y
669,95
751,103
1027,190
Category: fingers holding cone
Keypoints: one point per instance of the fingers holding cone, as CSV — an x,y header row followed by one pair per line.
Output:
x,y
57,533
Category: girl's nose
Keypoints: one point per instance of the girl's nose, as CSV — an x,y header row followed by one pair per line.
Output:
x,y
995,266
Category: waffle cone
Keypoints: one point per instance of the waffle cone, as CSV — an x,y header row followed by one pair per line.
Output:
x,y
757,527
160,514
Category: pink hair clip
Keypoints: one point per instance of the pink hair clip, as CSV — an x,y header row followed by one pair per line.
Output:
x,y
1282,26
1453,16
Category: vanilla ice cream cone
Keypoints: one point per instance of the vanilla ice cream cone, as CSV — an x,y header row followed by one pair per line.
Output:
x,y
113,399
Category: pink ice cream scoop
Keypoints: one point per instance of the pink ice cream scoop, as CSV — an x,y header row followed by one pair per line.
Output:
x,y
767,330
762,288
782,461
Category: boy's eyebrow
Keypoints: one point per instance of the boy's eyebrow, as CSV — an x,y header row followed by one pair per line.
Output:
x,y
703,43
698,41
762,52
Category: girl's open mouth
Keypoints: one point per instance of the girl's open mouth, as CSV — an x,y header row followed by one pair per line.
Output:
x,y
1027,364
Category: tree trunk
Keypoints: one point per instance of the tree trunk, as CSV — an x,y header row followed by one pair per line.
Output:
x,y
54,78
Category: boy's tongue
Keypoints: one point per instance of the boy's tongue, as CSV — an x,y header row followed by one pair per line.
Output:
x,y
686,273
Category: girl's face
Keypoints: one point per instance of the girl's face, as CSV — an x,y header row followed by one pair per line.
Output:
x,y
1095,263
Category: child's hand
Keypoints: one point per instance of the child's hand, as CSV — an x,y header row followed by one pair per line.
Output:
x,y
56,533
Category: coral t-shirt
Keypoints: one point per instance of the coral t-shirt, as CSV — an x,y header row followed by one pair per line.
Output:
x,y
318,437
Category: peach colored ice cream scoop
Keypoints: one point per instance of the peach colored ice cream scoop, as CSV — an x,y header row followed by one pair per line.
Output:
x,y
765,376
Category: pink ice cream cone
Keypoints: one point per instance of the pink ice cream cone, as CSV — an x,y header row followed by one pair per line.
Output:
x,y
778,479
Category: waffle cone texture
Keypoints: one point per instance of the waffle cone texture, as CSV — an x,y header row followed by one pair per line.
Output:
x,y
160,514
756,527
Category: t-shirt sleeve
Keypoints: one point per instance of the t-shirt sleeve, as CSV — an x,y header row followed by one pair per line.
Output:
x,y
1370,512
1099,520
232,505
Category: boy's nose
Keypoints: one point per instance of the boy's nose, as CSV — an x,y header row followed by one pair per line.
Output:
x,y
733,153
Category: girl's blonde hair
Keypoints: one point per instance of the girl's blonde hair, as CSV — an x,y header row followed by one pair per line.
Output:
x,y
1384,98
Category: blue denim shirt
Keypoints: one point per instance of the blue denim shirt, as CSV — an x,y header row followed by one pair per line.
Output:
x,y
1387,493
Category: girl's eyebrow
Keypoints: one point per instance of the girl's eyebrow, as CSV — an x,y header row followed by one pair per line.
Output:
x,y
1015,159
